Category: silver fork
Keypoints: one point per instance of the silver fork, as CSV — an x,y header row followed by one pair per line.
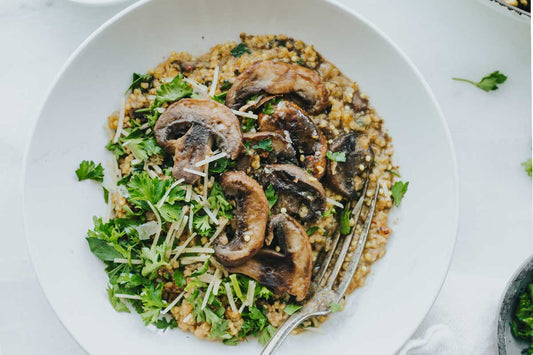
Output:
x,y
323,284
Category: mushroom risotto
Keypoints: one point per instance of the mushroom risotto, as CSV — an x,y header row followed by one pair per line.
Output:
x,y
231,173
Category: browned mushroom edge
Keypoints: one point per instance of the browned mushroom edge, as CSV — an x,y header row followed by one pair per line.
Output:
x,y
277,78
347,178
300,193
305,135
245,235
178,133
287,270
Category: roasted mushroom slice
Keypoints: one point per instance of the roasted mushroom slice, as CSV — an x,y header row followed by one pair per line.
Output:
x,y
347,178
178,133
359,103
300,193
277,78
287,270
245,235
305,135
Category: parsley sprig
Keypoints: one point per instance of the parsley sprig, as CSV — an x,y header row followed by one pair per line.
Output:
x,y
489,82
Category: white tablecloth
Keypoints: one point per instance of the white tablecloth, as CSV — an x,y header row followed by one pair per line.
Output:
x,y
491,133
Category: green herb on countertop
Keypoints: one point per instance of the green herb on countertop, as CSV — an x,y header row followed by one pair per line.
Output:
x,y
489,82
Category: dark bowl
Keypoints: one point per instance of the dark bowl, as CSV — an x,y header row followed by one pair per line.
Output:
x,y
507,343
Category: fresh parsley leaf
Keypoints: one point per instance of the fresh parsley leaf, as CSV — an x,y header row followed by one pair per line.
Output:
x,y
142,188
226,85
329,212
239,50
106,194
312,230
522,324
528,166
103,250
138,80
201,270
489,82
202,224
153,258
269,109
398,190
116,148
231,341
116,302
336,156
291,308
170,213
179,279
220,98
265,144
262,292
335,307
266,334
173,91
88,170
394,172
152,303
247,124
221,165
219,330
164,324
345,222
271,195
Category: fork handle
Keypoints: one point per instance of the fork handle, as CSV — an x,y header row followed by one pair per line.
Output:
x,y
284,330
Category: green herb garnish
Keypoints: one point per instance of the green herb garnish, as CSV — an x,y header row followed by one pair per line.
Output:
x,y
271,195
336,156
398,190
345,222
173,91
489,82
312,230
291,308
522,325
265,144
528,166
88,170
335,307
138,80
239,50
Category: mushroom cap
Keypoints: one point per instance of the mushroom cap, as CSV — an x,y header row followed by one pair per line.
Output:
x,y
300,193
347,178
306,136
176,122
189,149
288,270
250,219
278,78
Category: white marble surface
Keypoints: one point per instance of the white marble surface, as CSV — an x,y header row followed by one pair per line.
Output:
x,y
491,133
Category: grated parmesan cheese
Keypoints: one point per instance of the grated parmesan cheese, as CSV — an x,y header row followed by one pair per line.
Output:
x,y
158,233
214,83
211,159
194,172
230,297
335,203
165,196
245,114
131,297
173,303
179,249
126,261
221,224
120,123
187,260
210,288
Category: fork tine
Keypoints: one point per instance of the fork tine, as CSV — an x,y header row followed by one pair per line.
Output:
x,y
359,248
327,260
356,213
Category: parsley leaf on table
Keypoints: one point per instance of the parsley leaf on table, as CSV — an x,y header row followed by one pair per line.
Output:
x,y
398,190
336,156
489,82
528,166
88,170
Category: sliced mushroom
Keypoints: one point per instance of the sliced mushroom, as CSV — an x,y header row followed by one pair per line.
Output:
x,y
246,234
278,78
347,178
300,193
178,133
305,135
287,270
359,104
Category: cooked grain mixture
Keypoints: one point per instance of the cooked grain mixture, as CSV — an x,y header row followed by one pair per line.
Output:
x,y
232,171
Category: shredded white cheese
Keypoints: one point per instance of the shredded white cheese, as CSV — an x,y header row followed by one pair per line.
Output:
x,y
194,172
120,123
126,261
219,266
190,219
158,233
211,159
198,250
245,114
206,182
335,203
214,83
131,297
188,194
179,249
221,224
165,196
386,191
187,260
146,230
210,214
210,288
207,278
230,297
216,286
173,303
199,89
250,294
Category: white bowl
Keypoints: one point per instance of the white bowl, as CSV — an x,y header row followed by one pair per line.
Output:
x,y
378,318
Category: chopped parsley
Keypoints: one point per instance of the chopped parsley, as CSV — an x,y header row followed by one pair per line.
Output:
x,y
344,222
522,325
226,85
88,170
291,308
489,82
312,230
138,80
394,172
398,190
173,91
220,98
336,156
247,124
335,307
271,195
239,50
265,144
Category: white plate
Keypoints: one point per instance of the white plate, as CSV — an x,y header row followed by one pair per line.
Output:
x,y
380,317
